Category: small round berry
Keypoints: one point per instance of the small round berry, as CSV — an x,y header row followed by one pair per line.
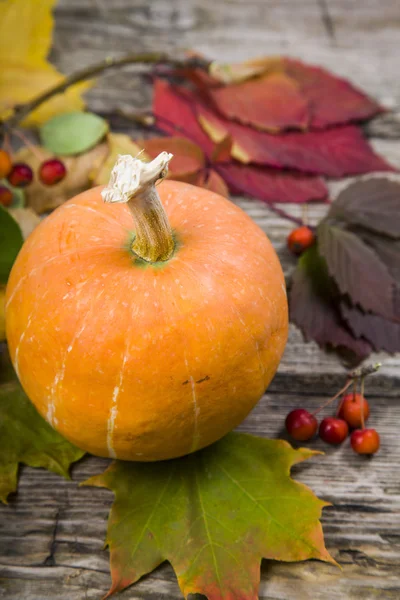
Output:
x,y
6,196
52,171
20,175
365,441
300,239
333,431
351,409
301,425
5,164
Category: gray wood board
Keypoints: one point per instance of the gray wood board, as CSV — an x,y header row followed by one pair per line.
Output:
x,y
51,533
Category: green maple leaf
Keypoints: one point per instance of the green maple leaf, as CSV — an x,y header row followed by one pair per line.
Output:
x,y
213,515
26,437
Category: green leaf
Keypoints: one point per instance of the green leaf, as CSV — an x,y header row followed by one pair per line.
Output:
x,y
213,515
11,241
26,437
313,304
73,133
357,269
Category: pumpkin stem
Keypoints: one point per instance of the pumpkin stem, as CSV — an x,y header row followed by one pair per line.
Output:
x,y
134,182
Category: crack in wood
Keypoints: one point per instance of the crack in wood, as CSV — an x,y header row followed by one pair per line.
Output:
x,y
50,560
327,21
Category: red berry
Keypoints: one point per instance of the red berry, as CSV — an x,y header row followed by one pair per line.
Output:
x,y
52,171
351,409
333,431
301,425
5,164
20,175
6,196
365,441
300,239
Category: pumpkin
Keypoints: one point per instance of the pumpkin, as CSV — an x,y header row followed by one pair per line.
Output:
x,y
146,326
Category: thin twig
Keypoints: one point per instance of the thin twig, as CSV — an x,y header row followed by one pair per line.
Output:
x,y
362,403
342,391
153,58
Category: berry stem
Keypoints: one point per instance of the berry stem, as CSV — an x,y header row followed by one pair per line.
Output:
x,y
153,58
7,143
28,144
342,391
362,403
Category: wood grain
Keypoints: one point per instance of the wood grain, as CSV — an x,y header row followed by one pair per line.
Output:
x,y
51,533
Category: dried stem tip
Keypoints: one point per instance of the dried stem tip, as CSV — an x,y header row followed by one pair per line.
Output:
x,y
133,182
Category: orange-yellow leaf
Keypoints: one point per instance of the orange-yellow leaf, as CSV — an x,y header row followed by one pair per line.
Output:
x,y
188,157
25,40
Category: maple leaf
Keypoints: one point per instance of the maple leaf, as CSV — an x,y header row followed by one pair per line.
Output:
x,y
25,40
382,333
26,438
313,307
213,515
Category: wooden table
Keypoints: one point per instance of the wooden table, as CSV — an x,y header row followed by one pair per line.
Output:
x,y
51,534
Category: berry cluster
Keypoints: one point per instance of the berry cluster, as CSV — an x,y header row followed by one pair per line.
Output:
x,y
20,174
352,413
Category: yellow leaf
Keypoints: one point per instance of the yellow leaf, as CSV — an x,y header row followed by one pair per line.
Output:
x,y
118,143
25,39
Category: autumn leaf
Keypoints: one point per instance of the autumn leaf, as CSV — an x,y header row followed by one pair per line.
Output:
x,y
382,333
373,204
10,243
25,40
26,438
313,307
271,185
272,102
188,159
329,99
213,515
357,269
81,171
26,218
335,152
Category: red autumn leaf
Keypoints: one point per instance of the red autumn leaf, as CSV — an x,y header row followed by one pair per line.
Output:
x,y
272,102
313,308
334,152
332,100
222,151
188,158
175,115
271,185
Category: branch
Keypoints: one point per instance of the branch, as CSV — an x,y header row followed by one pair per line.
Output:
x,y
150,58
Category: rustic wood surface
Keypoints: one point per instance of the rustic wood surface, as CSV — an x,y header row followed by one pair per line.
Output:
x,y
51,533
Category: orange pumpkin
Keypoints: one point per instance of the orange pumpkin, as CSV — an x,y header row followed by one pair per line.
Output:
x,y
138,340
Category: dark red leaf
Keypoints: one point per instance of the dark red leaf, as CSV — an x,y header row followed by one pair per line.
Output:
x,y
374,204
272,102
332,100
382,333
175,114
270,185
335,152
314,311
357,269
387,249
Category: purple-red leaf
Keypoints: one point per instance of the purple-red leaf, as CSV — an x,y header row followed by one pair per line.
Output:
x,y
334,152
272,102
357,270
374,204
382,333
314,310
332,100
270,185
